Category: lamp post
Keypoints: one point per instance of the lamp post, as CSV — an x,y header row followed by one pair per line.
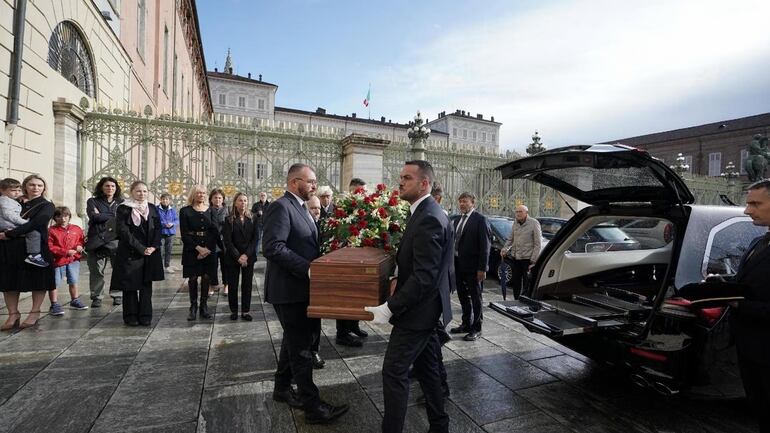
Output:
x,y
418,134
731,174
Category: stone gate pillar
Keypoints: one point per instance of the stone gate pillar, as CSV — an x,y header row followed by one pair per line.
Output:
x,y
362,157
65,185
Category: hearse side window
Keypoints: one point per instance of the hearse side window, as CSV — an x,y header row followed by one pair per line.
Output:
x,y
728,242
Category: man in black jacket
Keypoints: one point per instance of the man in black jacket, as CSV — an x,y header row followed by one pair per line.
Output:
x,y
471,264
258,210
291,243
750,318
421,297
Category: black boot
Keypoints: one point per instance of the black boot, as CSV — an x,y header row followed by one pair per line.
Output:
x,y
193,311
204,307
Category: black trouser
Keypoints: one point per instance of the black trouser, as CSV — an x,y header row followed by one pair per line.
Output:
x,y
756,382
469,292
259,237
421,348
295,359
316,323
345,327
137,304
192,285
520,271
247,275
167,242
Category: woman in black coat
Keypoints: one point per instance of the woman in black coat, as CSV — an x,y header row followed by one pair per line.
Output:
x,y
15,274
240,238
137,262
199,243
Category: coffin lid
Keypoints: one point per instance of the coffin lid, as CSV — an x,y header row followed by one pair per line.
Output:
x,y
354,256
602,173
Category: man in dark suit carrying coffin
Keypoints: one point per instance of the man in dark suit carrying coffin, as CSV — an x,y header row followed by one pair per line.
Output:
x,y
750,318
471,264
421,297
290,244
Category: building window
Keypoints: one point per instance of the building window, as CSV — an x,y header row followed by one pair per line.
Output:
x,y
240,166
68,55
744,157
715,163
261,104
259,171
454,132
473,134
242,101
465,133
493,138
483,136
165,59
141,18
222,99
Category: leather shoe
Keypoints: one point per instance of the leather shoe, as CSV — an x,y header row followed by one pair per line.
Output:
x,y
359,332
288,396
325,413
459,330
472,336
233,316
348,340
318,362
247,317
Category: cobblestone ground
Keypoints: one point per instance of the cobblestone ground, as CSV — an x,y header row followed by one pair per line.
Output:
x,y
87,372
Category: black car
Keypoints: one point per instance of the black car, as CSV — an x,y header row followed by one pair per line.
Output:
x,y
605,236
643,309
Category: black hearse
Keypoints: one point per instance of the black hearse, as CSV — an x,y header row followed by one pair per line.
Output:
x,y
626,307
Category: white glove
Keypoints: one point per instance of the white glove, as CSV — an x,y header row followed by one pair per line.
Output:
x,y
381,313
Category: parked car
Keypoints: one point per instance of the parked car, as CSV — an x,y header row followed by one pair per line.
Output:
x,y
624,306
650,232
605,236
500,228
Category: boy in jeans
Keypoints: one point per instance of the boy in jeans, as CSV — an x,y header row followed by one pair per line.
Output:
x,y
10,218
66,242
168,222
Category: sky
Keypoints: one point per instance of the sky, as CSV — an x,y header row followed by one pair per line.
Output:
x,y
576,71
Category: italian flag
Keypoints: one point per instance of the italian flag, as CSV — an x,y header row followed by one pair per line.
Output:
x,y
368,97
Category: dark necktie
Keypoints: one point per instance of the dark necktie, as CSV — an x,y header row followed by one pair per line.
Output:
x,y
307,213
759,247
459,231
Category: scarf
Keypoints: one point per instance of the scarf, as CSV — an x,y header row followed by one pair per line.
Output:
x,y
140,210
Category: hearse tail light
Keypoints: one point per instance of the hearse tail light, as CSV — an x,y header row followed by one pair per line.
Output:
x,y
648,355
668,232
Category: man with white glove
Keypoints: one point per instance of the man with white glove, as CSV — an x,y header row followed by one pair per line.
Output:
x,y
421,296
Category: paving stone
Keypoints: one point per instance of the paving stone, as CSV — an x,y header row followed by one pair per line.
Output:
x,y
244,407
532,422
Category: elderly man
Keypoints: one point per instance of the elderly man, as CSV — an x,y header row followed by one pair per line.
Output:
x,y
750,317
314,207
522,248
258,210
324,194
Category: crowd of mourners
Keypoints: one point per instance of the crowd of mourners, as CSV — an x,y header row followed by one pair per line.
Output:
x,y
40,247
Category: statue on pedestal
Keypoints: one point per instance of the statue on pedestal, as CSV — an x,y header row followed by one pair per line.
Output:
x,y
759,157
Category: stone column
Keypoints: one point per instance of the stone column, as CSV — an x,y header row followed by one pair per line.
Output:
x,y
362,158
64,188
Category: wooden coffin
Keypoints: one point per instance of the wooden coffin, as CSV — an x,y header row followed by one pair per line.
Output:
x,y
345,281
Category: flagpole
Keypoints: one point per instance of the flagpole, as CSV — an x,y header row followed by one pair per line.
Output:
x,y
369,105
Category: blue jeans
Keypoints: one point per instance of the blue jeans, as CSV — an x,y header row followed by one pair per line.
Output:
x,y
71,271
167,241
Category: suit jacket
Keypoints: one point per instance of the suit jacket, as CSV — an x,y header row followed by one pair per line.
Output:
x,y
259,206
473,244
239,238
425,270
327,213
750,322
290,243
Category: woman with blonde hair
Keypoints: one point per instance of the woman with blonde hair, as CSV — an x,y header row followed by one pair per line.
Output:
x,y
240,239
15,274
199,242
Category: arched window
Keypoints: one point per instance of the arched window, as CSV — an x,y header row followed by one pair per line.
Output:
x,y
68,54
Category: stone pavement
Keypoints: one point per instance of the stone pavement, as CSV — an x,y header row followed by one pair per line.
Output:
x,y
87,372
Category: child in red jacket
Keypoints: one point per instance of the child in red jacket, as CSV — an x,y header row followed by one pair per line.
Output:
x,y
66,242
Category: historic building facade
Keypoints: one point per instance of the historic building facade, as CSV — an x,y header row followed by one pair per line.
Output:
x,y
62,57
707,149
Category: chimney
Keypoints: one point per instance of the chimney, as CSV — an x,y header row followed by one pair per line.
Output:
x,y
463,112
260,77
480,116
493,118
320,110
215,70
249,74
390,121
382,119
231,71
457,111
354,115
